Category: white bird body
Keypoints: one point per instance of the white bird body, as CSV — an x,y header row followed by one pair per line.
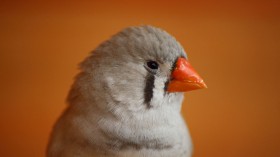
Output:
x,y
119,107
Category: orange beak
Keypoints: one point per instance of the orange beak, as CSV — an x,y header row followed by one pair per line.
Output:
x,y
184,78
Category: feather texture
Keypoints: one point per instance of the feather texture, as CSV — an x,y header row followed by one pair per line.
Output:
x,y
107,115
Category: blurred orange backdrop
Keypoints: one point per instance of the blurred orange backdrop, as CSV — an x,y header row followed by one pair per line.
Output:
x,y
234,45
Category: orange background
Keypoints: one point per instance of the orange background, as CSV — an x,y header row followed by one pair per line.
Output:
x,y
234,45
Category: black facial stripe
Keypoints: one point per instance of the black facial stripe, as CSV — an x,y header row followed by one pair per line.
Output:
x,y
166,85
148,91
171,70
174,65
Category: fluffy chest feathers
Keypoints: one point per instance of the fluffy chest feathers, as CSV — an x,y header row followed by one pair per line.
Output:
x,y
158,132
145,133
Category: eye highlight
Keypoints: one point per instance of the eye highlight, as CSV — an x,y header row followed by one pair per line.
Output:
x,y
152,66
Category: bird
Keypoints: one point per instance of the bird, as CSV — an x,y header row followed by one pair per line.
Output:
x,y
126,99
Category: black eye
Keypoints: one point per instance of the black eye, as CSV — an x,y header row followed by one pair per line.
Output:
x,y
152,64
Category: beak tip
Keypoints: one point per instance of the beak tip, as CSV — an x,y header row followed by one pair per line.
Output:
x,y
203,84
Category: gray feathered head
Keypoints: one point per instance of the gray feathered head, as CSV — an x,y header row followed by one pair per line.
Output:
x,y
138,68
